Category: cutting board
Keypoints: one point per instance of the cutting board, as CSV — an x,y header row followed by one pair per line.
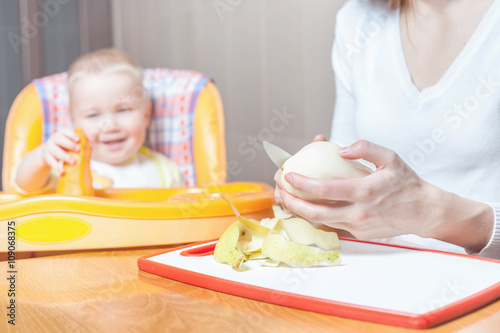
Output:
x,y
375,282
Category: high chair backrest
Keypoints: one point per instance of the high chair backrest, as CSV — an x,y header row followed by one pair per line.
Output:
x,y
187,123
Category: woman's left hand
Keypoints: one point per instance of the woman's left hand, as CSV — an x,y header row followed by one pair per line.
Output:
x,y
391,201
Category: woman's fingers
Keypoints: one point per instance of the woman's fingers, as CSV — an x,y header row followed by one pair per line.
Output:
x,y
333,189
315,212
277,178
319,137
342,215
277,195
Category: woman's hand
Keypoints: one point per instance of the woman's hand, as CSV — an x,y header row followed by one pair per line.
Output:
x,y
54,151
391,201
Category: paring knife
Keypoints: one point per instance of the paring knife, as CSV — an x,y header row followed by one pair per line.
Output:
x,y
276,154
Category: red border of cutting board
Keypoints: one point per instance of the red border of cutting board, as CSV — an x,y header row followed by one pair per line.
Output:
x,y
341,309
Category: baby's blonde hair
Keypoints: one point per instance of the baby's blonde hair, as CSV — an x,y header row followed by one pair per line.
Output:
x,y
103,61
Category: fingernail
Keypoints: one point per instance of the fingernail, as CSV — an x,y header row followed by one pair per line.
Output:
x,y
343,150
289,179
282,194
71,160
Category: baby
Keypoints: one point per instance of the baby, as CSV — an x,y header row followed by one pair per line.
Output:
x,y
108,101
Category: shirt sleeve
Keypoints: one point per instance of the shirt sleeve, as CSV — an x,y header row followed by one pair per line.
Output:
x,y
343,123
492,249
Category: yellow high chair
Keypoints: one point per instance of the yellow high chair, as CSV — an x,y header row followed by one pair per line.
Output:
x,y
125,217
23,133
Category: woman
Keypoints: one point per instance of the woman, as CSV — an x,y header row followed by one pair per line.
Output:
x,y
417,95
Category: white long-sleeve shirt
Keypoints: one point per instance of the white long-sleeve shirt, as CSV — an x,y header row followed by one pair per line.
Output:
x,y
448,133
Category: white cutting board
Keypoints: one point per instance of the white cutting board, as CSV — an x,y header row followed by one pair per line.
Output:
x,y
375,282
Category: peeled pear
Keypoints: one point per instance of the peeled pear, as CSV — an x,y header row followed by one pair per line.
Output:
x,y
320,160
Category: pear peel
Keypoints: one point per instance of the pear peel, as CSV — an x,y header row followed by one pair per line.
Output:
x,y
280,213
283,240
295,254
301,231
226,251
255,245
254,225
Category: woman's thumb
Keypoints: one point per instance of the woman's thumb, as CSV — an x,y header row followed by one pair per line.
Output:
x,y
369,151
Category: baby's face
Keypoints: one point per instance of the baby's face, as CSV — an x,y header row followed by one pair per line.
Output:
x,y
114,113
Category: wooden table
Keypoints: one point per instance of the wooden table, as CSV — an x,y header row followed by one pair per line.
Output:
x,y
103,291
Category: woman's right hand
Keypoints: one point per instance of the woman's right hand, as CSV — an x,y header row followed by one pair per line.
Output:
x,y
277,177
55,150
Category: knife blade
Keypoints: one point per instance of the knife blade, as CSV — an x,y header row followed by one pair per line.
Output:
x,y
276,154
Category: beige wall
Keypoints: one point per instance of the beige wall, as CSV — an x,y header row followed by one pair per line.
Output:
x,y
269,58
39,38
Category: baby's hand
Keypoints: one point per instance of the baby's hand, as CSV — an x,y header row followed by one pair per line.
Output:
x,y
55,150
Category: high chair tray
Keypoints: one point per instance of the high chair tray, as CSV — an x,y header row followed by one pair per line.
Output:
x,y
119,218
380,283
